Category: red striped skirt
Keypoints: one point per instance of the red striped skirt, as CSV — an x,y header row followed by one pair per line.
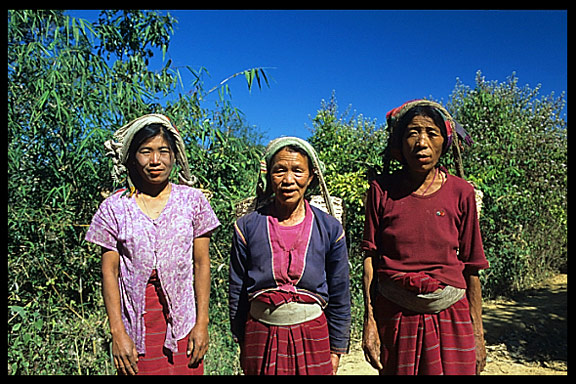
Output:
x,y
301,349
425,344
159,360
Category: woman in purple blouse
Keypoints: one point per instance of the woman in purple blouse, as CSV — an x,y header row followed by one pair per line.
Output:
x,y
155,237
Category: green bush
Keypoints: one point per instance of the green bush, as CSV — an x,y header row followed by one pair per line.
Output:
x,y
64,101
519,161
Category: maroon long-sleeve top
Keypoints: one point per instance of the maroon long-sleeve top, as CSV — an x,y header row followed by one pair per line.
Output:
x,y
438,234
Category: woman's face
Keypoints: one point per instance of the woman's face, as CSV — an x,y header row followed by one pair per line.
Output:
x,y
422,144
154,160
290,176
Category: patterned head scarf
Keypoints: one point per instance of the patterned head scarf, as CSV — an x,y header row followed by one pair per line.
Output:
x,y
262,188
118,149
450,125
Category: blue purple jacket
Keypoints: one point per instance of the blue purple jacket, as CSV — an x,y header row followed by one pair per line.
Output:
x,y
324,277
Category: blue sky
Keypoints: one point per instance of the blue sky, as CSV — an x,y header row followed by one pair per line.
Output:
x,y
373,59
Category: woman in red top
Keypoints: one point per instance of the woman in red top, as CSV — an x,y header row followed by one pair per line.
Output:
x,y
423,248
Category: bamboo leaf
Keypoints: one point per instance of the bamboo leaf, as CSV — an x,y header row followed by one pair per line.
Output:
x,y
249,78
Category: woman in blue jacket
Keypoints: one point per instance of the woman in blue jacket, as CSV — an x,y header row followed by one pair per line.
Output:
x,y
289,275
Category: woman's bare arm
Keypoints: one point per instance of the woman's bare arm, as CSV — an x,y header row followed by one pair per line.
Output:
x,y
198,340
123,348
474,294
370,337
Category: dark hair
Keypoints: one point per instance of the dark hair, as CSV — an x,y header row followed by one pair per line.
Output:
x,y
420,110
149,131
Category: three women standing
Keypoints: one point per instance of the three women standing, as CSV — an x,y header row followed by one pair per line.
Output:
x,y
289,297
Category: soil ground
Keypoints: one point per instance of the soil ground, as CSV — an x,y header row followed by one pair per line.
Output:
x,y
525,335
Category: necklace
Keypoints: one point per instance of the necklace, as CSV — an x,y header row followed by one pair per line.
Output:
x,y
145,207
433,179
154,214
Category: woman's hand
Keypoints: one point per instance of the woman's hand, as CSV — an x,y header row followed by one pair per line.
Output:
x,y
480,352
198,341
125,354
371,343
335,359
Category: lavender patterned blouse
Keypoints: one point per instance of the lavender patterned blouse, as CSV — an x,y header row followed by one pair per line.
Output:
x,y
164,244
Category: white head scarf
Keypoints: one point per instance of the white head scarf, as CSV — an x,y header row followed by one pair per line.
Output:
x,y
118,150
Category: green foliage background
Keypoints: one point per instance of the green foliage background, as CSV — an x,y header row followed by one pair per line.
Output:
x,y
72,84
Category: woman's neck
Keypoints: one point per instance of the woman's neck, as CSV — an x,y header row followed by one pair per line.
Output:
x,y
289,215
425,183
153,205
154,190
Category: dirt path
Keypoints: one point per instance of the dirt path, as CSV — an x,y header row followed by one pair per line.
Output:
x,y
525,335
